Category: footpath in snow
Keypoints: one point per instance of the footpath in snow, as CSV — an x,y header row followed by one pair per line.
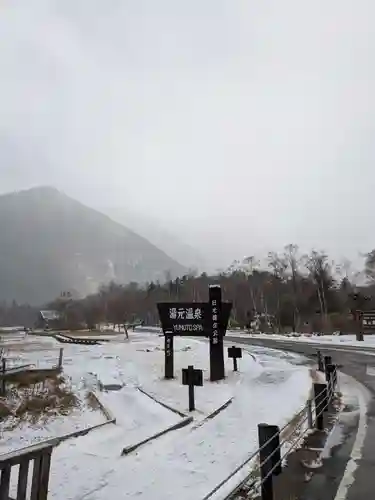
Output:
x,y
185,463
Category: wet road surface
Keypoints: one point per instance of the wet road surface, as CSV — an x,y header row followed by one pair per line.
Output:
x,y
358,482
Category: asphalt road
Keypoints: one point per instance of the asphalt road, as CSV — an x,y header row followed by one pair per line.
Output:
x,y
359,363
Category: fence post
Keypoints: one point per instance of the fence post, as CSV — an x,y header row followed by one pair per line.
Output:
x,y
327,361
320,362
329,379
320,397
309,414
269,457
60,358
3,383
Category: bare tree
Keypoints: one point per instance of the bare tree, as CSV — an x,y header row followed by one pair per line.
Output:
x,y
370,266
278,267
320,271
248,266
292,261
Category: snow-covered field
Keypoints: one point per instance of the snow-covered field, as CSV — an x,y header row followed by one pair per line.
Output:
x,y
270,386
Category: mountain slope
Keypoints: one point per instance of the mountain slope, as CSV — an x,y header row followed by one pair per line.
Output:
x,y
50,242
150,229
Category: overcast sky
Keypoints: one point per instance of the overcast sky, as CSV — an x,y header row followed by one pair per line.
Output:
x,y
241,124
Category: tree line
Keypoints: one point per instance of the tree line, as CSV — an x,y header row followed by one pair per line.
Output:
x,y
288,290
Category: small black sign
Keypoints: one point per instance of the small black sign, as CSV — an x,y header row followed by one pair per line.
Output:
x,y
368,320
234,352
195,375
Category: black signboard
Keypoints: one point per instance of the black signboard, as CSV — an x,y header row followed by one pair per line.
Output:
x,y
234,353
368,320
202,319
191,318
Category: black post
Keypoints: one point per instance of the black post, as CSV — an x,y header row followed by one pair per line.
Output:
x,y
3,384
234,364
168,352
320,397
359,323
270,459
192,377
191,388
217,370
320,362
61,358
327,361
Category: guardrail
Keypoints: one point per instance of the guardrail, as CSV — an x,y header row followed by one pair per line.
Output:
x,y
272,439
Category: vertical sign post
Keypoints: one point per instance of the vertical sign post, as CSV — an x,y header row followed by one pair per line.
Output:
x,y
3,383
168,352
234,353
60,358
358,318
216,335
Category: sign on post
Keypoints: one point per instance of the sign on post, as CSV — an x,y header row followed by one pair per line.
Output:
x,y
234,353
217,366
168,352
201,319
192,377
368,320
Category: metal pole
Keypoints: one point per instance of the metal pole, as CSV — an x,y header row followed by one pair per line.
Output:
x,y
234,364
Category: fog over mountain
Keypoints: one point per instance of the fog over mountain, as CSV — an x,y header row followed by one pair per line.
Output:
x,y
151,229
51,243
240,125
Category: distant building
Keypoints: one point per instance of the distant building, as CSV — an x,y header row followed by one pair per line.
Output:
x,y
48,319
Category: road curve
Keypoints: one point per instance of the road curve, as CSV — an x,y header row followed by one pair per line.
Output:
x,y
358,363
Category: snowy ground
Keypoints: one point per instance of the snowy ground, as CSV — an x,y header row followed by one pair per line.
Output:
x,y
369,340
270,387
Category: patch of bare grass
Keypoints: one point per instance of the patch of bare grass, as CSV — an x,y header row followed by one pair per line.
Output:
x,y
35,397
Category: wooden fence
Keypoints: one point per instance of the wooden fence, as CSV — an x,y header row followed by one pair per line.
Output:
x,y
40,456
